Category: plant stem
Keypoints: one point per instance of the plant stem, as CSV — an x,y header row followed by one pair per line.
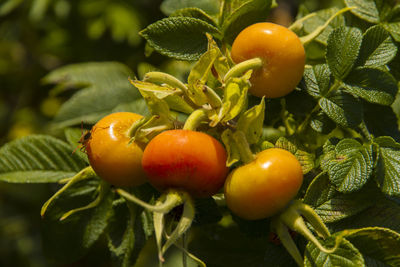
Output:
x,y
313,218
287,241
293,219
308,38
172,199
242,67
195,119
184,223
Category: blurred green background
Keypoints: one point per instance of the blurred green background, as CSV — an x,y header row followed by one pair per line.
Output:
x,y
38,36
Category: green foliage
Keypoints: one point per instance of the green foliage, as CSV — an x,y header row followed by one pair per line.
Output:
x,y
351,165
388,167
240,14
38,159
171,36
342,51
70,239
105,88
345,255
341,122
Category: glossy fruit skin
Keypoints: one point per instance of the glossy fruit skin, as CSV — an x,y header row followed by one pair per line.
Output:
x,y
283,58
186,160
264,186
109,153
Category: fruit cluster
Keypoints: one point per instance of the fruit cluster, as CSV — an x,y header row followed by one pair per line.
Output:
x,y
186,163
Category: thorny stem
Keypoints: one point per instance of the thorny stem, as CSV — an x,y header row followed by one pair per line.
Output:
x,y
242,67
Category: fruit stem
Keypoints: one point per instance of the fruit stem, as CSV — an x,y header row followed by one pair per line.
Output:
x,y
85,173
183,224
195,119
313,218
309,37
242,67
246,155
287,241
172,199
292,218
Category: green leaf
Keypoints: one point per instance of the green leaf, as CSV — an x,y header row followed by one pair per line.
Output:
x,y
160,91
377,48
320,17
381,120
138,106
194,12
249,12
38,159
107,86
321,123
345,255
317,79
235,97
343,47
374,85
306,159
68,240
199,75
182,38
381,244
89,74
125,234
393,28
231,147
343,109
251,122
388,165
211,7
332,205
384,213
351,167
349,164
368,10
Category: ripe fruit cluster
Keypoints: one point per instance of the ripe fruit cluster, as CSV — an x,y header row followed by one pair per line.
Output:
x,y
194,162
185,164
